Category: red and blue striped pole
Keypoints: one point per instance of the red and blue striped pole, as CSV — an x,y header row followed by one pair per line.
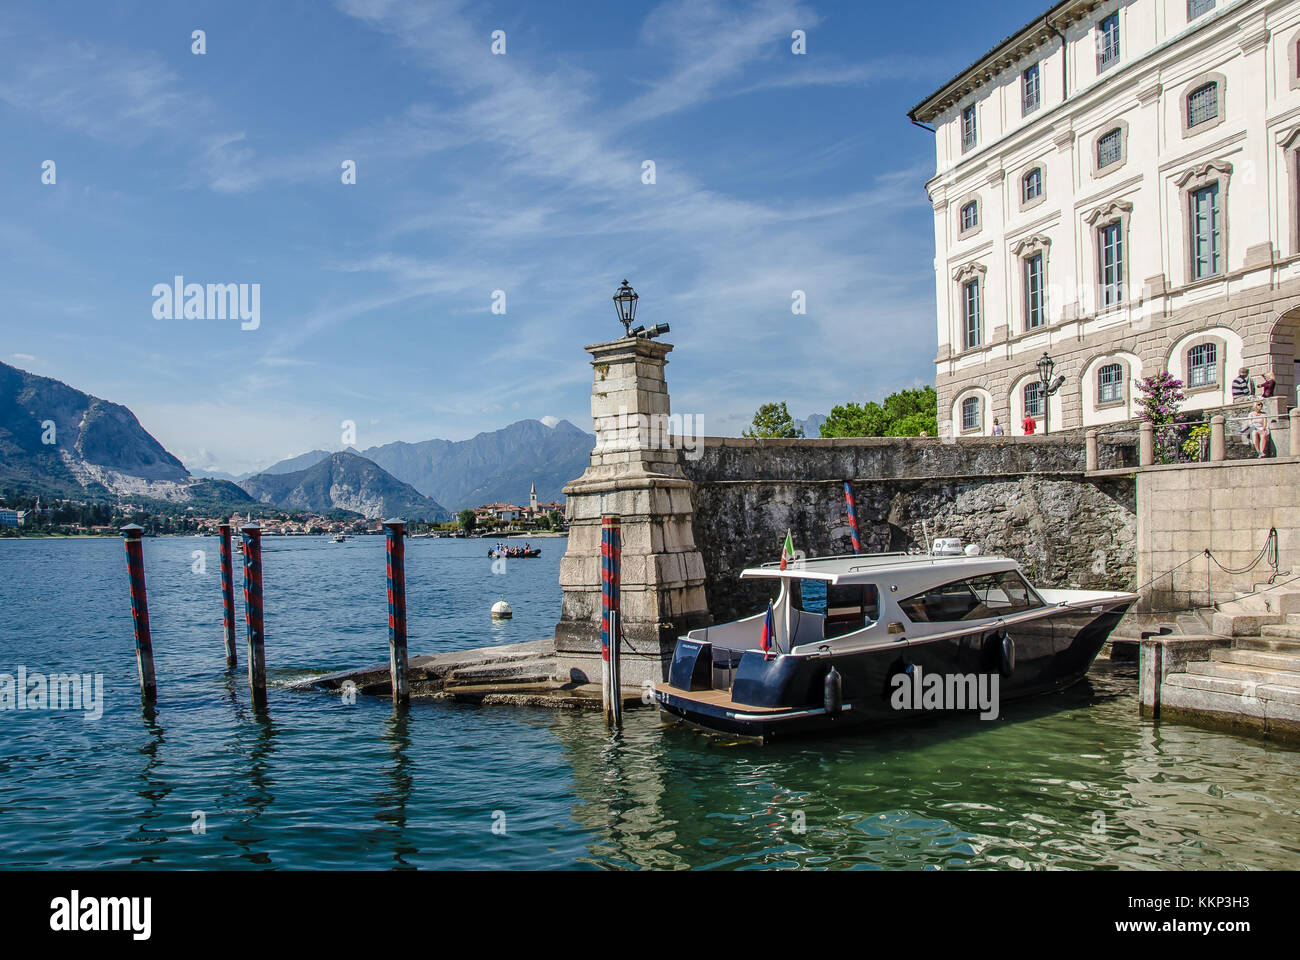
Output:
x,y
140,612
610,627
252,544
395,533
853,517
227,595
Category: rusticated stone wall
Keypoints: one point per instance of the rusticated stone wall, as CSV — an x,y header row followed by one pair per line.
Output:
x,y
1026,498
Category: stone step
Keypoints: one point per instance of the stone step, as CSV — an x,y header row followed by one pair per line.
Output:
x,y
1242,690
1290,631
1267,642
1243,671
1272,659
528,670
1227,623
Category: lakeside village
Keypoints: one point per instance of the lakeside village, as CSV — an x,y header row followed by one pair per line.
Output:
x,y
37,517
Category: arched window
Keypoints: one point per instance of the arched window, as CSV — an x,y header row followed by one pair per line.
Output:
x,y
1110,383
970,216
1202,104
970,414
1203,365
1033,396
1033,185
1110,148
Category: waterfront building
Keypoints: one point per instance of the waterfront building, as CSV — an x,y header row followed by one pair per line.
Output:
x,y
10,518
1118,184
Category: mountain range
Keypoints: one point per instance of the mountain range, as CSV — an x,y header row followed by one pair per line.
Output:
x,y
56,440
344,481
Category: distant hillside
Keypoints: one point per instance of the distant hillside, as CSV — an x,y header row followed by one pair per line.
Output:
x,y
100,450
344,481
498,466
812,425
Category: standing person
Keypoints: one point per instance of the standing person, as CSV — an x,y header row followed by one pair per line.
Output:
x,y
1029,425
997,428
1243,387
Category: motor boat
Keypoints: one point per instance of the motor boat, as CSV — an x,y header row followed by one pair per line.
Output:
x,y
521,554
878,638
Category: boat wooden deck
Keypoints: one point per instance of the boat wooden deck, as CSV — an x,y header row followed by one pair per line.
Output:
x,y
716,698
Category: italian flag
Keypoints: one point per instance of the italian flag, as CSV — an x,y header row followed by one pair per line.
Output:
x,y
787,550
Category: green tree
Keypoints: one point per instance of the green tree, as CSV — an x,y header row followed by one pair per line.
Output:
x,y
903,414
773,420
467,520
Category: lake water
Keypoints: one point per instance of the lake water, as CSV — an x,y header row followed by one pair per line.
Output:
x,y
1072,781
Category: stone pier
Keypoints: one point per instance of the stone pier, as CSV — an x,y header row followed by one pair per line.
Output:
x,y
634,473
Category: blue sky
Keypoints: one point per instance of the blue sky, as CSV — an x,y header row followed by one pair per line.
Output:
x,y
475,173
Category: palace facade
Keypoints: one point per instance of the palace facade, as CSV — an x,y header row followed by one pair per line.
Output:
x,y
1118,185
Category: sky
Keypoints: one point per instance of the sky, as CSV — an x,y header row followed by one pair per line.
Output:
x,y
499,200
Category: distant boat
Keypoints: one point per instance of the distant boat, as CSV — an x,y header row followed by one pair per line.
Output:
x,y
338,538
521,555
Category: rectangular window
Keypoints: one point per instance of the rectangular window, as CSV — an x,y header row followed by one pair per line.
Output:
x,y
1031,90
972,313
1034,291
1203,365
1110,148
970,413
1033,397
1110,383
1206,232
1197,7
1202,104
1108,42
1111,242
969,133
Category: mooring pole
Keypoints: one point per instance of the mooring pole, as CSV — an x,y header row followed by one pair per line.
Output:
x,y
853,516
140,612
610,628
227,595
252,544
395,533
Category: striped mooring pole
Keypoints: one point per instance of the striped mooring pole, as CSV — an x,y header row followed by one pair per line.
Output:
x,y
140,612
252,544
853,516
395,533
610,627
227,595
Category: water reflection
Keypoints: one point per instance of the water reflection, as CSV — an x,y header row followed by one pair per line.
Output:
x,y
153,788
392,803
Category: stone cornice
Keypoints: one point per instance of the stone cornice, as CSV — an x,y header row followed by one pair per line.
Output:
x,y
1149,93
1252,39
1201,170
969,271
1029,244
1108,210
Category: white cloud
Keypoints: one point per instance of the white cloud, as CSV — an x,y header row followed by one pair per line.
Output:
x,y
550,421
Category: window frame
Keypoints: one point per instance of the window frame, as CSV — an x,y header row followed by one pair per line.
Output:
x,y
962,226
1026,106
969,128
1118,136
1212,347
1196,9
978,407
1111,291
1035,299
1119,385
1213,235
972,311
1036,175
997,578
1189,105
1109,50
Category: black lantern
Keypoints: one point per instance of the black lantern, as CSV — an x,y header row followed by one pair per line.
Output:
x,y
1046,385
625,303
1045,367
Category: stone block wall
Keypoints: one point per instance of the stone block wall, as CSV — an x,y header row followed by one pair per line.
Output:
x,y
1226,508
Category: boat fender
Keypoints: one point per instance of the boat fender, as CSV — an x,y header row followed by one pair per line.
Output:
x,y
833,693
1008,648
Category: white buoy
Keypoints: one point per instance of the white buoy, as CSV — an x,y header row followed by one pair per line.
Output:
x,y
501,611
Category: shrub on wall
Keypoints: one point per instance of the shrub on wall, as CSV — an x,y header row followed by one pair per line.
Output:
x,y
1160,396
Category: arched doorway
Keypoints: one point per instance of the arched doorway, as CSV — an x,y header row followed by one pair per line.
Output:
x,y
1282,342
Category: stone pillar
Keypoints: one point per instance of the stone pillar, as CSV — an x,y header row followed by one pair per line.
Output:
x,y
635,473
1218,450
1090,451
1295,431
1146,444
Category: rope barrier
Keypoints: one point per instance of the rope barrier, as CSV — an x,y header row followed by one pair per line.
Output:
x,y
1270,549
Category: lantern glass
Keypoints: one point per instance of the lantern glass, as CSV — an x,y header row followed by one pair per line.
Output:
x,y
625,303
1045,367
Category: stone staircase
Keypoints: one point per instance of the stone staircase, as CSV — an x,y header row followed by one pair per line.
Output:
x,y
1246,676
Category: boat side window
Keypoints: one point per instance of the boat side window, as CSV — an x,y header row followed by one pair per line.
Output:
x,y
850,607
809,596
974,598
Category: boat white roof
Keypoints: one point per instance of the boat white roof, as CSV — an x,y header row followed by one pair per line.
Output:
x,y
873,567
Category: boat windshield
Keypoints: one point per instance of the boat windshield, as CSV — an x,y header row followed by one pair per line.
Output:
x,y
847,607
973,598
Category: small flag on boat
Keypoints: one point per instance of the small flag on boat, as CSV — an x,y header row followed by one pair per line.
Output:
x,y
769,630
787,551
